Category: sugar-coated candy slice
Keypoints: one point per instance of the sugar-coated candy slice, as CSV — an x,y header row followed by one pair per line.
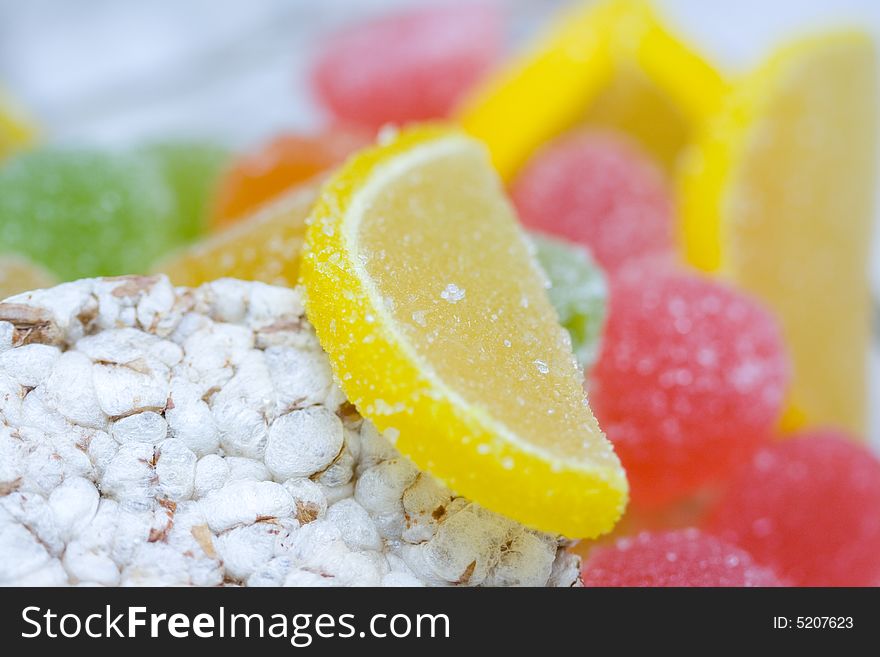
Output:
x,y
409,66
577,290
809,506
777,195
18,274
425,294
686,557
191,170
256,178
597,189
85,212
264,246
690,380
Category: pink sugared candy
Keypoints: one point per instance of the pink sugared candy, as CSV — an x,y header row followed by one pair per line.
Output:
x,y
600,190
690,380
685,557
409,66
809,507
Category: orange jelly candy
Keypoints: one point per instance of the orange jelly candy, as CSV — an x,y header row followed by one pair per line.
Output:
x,y
287,160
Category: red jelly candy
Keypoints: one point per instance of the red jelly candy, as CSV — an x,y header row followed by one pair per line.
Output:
x,y
407,67
809,507
684,557
599,190
690,380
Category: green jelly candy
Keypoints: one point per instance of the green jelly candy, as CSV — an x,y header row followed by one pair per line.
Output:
x,y
83,212
578,291
192,171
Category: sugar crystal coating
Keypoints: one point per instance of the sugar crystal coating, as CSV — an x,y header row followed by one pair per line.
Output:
x,y
809,506
691,379
409,66
599,190
152,435
686,557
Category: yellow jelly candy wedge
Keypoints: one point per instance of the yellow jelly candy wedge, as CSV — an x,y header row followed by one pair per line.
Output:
x,y
609,64
18,274
545,91
676,71
16,130
265,247
661,89
777,196
423,291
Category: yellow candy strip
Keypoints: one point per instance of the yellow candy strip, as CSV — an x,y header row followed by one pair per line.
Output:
x,y
611,63
265,247
776,195
693,86
16,129
546,90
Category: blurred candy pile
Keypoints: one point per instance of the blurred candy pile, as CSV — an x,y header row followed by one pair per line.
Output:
x,y
705,241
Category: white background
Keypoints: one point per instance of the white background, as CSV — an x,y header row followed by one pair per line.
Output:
x,y
121,69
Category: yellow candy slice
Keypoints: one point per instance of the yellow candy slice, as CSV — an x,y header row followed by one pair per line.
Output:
x,y
423,291
18,274
16,130
264,247
609,64
777,196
